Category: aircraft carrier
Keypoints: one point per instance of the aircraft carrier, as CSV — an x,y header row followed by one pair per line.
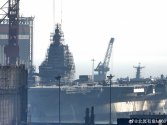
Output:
x,y
70,99
125,99
66,100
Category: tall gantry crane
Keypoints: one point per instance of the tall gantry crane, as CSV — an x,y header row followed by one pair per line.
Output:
x,y
103,68
12,49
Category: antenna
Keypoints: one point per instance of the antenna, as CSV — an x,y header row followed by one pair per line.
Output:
x,y
61,10
57,11
53,12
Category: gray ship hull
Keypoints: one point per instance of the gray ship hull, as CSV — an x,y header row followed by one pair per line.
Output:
x,y
44,102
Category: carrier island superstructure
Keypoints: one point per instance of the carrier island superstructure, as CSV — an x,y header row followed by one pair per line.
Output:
x,y
59,60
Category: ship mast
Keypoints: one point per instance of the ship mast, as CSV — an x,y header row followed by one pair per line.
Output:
x,y
138,71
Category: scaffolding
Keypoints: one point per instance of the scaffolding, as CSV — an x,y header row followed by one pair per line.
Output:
x,y
59,60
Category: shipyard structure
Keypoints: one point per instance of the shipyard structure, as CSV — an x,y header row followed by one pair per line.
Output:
x,y
15,59
25,40
13,95
59,60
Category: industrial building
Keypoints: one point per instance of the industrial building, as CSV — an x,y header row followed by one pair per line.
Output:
x,y
25,40
13,95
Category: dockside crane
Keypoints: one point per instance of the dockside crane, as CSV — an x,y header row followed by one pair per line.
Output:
x,y
12,49
103,67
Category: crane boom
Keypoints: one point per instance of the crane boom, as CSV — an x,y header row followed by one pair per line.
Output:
x,y
108,53
103,68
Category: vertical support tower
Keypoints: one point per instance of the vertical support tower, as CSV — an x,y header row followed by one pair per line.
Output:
x,y
12,49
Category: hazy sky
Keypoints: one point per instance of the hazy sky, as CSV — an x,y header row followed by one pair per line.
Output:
x,y
138,26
